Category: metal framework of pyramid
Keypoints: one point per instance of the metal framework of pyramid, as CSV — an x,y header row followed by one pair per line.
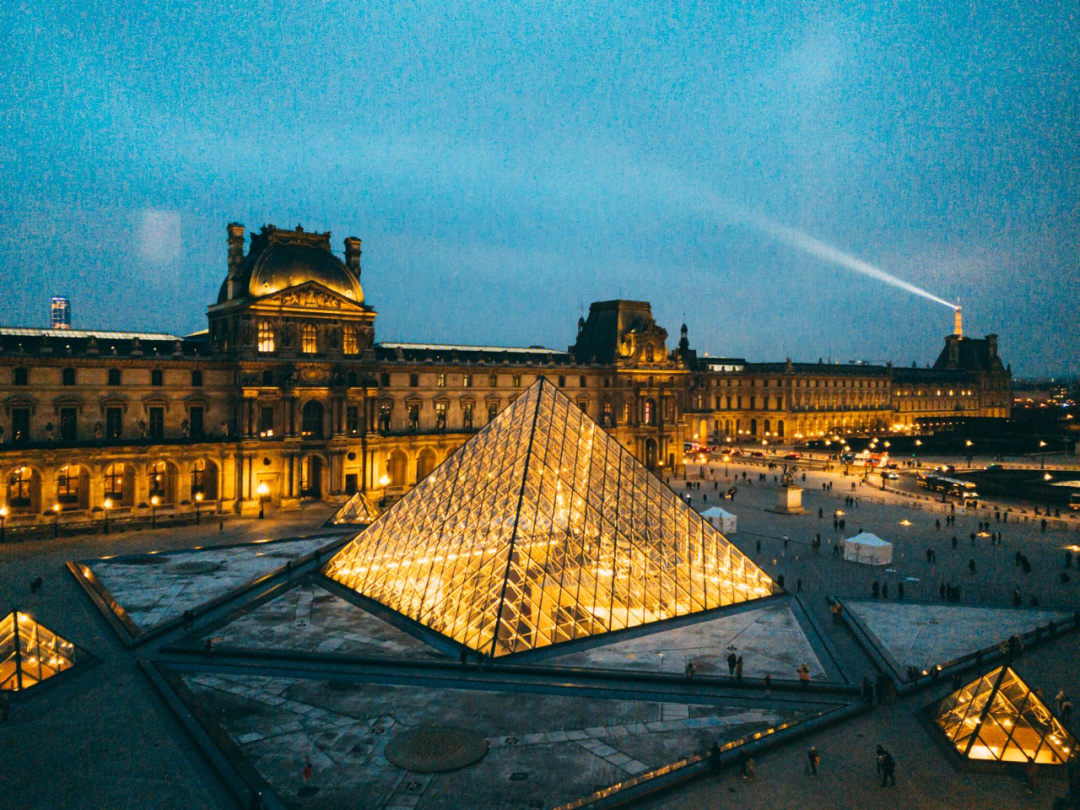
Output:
x,y
998,718
542,529
30,652
358,510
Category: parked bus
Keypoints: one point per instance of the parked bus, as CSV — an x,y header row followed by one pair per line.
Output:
x,y
954,487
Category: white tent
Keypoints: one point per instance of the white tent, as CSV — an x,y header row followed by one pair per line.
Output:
x,y
720,519
868,548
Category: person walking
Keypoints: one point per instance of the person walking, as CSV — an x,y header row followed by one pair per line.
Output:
x,y
813,759
732,662
888,770
971,566
880,758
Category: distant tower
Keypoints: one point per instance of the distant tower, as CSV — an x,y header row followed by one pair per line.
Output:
x,y
60,312
958,328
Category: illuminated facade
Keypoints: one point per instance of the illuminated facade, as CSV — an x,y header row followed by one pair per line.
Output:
x,y
543,529
30,652
999,719
288,390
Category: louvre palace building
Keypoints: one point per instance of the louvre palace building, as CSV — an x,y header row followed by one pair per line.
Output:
x,y
288,395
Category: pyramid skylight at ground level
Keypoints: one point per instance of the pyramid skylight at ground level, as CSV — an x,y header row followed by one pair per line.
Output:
x,y
542,529
358,510
30,652
999,718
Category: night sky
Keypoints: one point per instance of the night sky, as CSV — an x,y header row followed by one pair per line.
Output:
x,y
506,167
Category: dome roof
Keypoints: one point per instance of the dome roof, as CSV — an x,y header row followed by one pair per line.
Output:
x,y
282,266
279,259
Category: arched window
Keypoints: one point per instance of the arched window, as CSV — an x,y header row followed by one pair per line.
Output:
x,y
67,485
780,428
20,492
753,427
157,475
395,468
267,338
311,423
309,338
114,483
767,427
349,343
648,353
425,463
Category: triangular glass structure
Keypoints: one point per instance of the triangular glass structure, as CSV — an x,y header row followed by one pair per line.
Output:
x,y
541,529
358,511
998,718
30,652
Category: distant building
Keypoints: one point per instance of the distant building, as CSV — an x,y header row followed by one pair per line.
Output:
x,y
288,393
60,312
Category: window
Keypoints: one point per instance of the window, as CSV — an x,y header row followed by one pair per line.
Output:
x,y
156,476
649,412
67,377
67,485
267,338
753,402
648,353
384,417
349,343
20,487
266,421
195,422
268,378
440,381
114,376
493,411
20,425
309,338
606,419
414,380
466,415
581,381
466,380
493,380
198,477
69,424
114,483
440,416
517,381
196,378
562,381
114,423
352,420
21,376
414,416
311,422
384,379
157,378
157,424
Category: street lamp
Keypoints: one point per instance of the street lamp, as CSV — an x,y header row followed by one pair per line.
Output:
x,y
384,481
198,503
56,519
262,491
154,501
106,505
3,520
968,443
1042,456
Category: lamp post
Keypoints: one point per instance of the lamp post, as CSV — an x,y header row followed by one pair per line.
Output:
x,y
106,505
262,490
56,519
3,520
198,503
968,443
1042,455
154,501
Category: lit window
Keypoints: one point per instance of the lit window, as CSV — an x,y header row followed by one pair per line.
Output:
x,y
267,341
309,339
349,343
440,381
517,381
466,380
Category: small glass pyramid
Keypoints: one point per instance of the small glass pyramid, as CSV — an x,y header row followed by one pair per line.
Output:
x,y
541,529
999,718
358,510
30,652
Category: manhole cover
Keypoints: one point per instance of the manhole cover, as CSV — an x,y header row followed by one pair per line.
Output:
x,y
436,748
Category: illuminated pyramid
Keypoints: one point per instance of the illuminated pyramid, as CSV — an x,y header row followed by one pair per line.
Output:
x,y
30,652
998,718
543,529
358,510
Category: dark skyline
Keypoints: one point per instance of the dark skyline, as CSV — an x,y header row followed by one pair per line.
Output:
x,y
506,167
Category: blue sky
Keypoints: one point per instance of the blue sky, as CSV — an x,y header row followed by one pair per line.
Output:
x,y
507,165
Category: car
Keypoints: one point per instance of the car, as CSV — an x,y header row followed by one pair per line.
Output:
x,y
892,465
757,454
994,467
890,475
793,456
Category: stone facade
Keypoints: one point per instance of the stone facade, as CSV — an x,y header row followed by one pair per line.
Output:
x,y
288,395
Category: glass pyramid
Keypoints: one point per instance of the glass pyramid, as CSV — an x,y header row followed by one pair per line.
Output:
x,y
540,529
357,510
999,718
30,652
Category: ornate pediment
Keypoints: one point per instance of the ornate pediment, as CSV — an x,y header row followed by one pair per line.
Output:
x,y
310,296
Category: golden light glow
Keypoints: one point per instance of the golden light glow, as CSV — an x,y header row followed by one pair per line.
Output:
x,y
30,653
542,529
155,500
262,490
56,507
199,497
108,503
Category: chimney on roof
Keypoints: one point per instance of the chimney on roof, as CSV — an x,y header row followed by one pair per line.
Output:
x,y
352,255
236,255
